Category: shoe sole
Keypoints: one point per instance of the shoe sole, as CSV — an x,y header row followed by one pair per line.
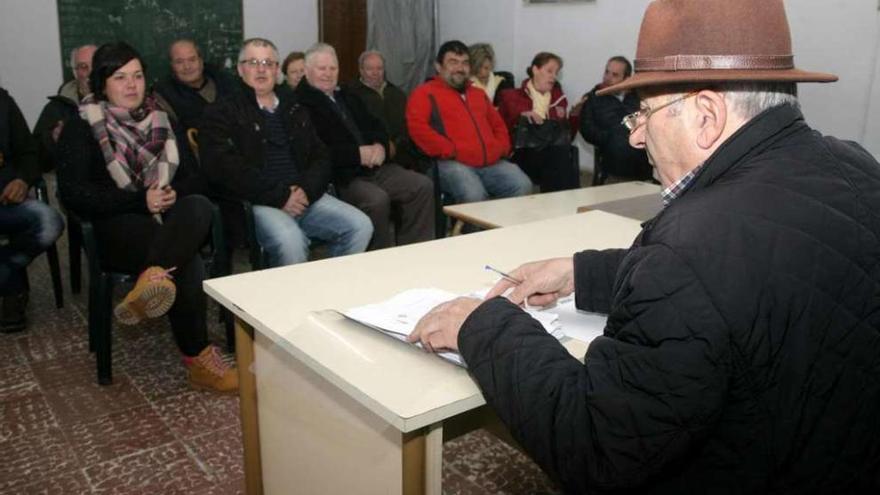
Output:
x,y
207,388
152,302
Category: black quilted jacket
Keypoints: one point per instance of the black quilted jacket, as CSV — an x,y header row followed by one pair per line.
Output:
x,y
742,351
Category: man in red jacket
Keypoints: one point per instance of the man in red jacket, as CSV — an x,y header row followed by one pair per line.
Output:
x,y
456,123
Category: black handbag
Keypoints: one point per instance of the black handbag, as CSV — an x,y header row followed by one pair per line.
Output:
x,y
534,136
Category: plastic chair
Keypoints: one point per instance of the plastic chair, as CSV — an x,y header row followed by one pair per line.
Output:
x,y
101,283
600,175
42,193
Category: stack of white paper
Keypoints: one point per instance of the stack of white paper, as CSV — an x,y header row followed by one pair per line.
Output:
x,y
398,316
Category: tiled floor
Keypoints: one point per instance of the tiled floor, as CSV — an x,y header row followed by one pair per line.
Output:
x,y
149,433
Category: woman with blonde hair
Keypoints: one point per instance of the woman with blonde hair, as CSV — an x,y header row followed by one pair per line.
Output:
x,y
483,76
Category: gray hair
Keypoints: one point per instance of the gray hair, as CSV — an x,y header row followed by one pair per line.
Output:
x,y
262,42
318,48
369,53
479,53
73,54
747,98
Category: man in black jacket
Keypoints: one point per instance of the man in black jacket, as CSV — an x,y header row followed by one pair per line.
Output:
x,y
600,126
63,106
358,145
192,85
386,102
261,147
30,225
742,347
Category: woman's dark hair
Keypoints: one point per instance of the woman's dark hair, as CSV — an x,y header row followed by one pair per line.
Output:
x,y
290,59
108,59
541,59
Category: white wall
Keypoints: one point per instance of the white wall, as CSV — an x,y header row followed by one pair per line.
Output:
x,y
290,24
30,57
838,36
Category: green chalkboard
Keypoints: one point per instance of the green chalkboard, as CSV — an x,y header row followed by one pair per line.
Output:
x,y
150,26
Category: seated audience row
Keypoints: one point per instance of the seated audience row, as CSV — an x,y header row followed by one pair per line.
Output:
x,y
359,148
261,146
125,166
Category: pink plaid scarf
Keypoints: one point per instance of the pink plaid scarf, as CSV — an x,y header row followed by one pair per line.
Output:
x,y
138,145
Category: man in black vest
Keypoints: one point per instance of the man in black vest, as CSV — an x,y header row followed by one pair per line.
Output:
x,y
192,85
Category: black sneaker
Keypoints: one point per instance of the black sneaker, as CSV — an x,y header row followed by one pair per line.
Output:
x,y
12,317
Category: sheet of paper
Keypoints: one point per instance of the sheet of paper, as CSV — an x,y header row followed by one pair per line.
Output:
x,y
398,316
576,324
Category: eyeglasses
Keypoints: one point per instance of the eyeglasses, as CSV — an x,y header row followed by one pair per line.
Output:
x,y
632,121
254,62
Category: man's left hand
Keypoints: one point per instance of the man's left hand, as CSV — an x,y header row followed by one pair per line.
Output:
x,y
438,330
14,192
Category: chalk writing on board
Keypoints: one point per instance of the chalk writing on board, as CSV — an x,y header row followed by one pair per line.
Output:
x,y
150,26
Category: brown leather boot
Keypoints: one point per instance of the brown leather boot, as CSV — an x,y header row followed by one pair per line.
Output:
x,y
151,297
208,371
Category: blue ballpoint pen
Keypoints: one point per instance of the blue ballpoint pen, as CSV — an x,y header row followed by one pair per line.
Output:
x,y
503,275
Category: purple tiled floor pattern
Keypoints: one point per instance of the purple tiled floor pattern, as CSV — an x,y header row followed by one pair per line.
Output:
x,y
149,432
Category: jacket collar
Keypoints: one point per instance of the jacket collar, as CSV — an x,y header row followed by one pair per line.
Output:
x,y
756,135
442,83
285,98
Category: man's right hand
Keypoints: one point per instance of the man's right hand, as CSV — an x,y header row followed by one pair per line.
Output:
x,y
297,202
543,282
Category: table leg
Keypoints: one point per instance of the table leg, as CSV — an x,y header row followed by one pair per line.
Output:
x,y
247,393
423,461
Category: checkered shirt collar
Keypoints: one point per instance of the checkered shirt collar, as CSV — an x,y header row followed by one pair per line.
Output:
x,y
679,187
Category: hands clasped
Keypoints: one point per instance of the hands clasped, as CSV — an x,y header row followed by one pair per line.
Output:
x,y
372,155
160,199
297,202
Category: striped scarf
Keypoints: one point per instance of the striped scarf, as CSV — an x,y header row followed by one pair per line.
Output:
x,y
138,145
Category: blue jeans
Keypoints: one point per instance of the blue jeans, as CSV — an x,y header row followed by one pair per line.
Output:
x,y
286,239
468,184
31,226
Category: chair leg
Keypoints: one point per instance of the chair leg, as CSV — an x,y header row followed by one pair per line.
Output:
x,y
229,324
74,253
55,272
103,337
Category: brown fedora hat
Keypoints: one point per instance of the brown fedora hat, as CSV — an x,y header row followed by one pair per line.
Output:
x,y
694,41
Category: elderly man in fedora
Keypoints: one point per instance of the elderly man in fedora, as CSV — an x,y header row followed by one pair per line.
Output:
x,y
742,349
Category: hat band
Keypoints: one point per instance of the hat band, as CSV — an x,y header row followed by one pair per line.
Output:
x,y
710,62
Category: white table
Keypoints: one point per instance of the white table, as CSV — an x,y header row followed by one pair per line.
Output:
x,y
329,406
524,209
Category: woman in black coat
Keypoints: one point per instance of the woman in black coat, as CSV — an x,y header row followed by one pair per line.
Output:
x,y
120,167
